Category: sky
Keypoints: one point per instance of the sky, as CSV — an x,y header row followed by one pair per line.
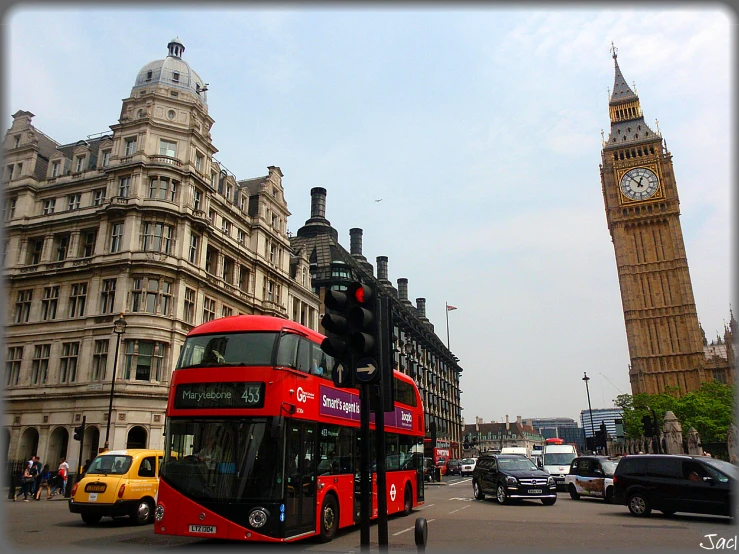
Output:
x,y
479,128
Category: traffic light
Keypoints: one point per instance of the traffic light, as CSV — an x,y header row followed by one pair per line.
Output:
x,y
362,319
647,426
79,432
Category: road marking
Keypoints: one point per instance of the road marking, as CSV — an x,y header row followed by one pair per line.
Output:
x,y
459,482
460,509
410,528
425,506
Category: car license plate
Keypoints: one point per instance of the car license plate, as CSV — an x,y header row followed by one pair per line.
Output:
x,y
209,529
93,497
534,491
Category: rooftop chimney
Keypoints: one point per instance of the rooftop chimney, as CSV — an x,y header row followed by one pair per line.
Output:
x,y
317,202
421,307
403,291
355,237
518,420
507,424
318,224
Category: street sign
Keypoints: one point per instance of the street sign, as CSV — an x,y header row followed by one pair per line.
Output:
x,y
342,376
367,370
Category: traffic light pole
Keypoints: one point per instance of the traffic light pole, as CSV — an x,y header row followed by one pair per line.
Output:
x,y
365,484
82,442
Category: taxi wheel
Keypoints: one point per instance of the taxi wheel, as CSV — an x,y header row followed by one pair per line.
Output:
x,y
143,512
609,495
329,521
91,519
573,492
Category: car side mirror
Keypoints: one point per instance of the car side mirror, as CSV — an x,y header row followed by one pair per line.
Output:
x,y
708,479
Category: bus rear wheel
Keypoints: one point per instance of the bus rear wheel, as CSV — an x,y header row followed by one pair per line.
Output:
x,y
329,522
408,501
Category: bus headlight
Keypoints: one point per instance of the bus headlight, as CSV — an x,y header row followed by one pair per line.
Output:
x,y
159,512
258,517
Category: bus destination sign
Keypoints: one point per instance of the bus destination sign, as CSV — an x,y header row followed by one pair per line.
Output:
x,y
219,395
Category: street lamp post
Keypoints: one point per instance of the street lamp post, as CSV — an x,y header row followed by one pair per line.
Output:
x,y
119,326
592,428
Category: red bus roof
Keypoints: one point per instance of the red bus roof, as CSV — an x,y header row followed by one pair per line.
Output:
x,y
241,323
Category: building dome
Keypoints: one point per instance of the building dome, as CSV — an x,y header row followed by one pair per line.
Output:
x,y
174,72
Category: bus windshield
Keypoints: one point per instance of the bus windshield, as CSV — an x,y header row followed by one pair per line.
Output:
x,y
246,349
223,459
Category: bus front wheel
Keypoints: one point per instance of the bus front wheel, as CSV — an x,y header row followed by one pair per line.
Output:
x,y
329,518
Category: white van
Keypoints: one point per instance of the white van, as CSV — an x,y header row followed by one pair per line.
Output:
x,y
557,460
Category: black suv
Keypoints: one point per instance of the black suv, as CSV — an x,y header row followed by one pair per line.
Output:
x,y
694,484
512,477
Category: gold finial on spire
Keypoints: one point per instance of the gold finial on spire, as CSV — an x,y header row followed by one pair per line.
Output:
x,y
656,122
635,91
602,137
614,51
609,92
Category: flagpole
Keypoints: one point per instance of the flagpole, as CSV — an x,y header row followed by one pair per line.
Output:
x,y
447,325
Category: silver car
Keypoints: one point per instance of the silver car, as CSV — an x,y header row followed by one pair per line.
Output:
x,y
468,466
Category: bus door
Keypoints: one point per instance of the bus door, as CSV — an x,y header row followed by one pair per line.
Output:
x,y
300,478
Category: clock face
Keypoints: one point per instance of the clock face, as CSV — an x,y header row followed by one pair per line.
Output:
x,y
639,183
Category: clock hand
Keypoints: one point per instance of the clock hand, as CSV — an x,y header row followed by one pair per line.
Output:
x,y
639,183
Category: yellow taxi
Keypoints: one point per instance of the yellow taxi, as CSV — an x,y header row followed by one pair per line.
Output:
x,y
119,483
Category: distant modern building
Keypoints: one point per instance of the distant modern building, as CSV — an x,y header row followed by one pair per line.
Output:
x,y
558,427
600,415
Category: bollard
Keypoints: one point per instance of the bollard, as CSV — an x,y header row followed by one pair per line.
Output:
x,y
421,533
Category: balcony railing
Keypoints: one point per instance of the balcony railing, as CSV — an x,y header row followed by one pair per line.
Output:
x,y
165,160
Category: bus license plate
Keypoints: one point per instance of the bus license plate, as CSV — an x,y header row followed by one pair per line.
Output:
x,y
534,491
209,529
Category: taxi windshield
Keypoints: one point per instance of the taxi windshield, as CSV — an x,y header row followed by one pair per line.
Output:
x,y
110,464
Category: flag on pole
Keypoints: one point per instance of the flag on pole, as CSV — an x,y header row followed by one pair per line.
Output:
x,y
449,308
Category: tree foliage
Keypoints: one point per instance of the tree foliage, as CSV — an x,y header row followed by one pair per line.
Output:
x,y
709,409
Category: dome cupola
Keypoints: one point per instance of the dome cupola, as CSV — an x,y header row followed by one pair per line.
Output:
x,y
172,72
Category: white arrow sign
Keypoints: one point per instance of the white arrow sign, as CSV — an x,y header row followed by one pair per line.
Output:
x,y
366,369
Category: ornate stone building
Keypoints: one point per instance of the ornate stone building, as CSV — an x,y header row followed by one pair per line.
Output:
x,y
419,352
144,223
495,436
666,342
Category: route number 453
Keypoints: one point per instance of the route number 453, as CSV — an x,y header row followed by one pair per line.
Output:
x,y
251,395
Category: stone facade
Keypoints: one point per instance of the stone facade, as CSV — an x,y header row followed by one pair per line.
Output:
x,y
418,351
495,436
666,342
144,223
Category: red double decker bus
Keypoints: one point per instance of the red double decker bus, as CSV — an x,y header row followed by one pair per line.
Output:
x,y
261,446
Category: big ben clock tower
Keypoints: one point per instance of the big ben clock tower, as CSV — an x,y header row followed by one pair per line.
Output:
x,y
643,214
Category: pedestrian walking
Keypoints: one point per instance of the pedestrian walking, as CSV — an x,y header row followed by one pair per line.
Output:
x,y
36,472
29,465
63,474
44,483
27,481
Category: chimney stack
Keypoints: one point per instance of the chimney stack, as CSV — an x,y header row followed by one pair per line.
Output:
x,y
507,424
421,307
518,421
403,291
317,202
355,238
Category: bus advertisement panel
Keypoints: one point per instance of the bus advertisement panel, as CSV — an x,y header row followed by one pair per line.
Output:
x,y
260,444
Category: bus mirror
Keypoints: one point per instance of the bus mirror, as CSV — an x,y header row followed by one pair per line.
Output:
x,y
278,422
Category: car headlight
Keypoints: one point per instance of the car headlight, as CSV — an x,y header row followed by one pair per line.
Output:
x,y
159,512
258,517
551,481
511,481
